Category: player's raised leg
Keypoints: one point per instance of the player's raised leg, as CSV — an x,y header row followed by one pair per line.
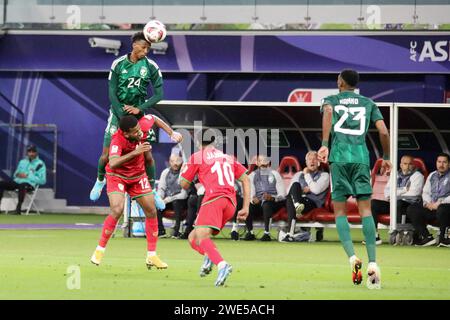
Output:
x,y
211,219
343,229
147,202
116,201
207,265
111,128
101,181
203,239
369,231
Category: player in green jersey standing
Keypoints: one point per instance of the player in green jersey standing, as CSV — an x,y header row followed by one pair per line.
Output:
x,y
129,79
346,117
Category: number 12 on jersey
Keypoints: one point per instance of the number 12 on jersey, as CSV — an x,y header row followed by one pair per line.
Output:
x,y
144,183
223,170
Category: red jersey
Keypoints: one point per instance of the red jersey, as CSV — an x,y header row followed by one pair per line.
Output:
x,y
216,172
121,146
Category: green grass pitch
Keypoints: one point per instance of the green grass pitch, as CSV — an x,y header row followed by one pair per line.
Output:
x,y
35,264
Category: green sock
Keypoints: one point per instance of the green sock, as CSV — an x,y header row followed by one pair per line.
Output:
x,y
343,230
369,232
101,169
151,172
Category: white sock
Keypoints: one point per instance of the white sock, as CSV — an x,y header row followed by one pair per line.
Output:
x,y
372,265
151,253
221,264
352,258
100,248
235,227
267,232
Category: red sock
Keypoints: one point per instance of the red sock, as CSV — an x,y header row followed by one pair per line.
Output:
x,y
209,247
196,247
108,229
151,231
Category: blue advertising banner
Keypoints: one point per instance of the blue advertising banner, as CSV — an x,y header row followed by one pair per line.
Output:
x,y
299,53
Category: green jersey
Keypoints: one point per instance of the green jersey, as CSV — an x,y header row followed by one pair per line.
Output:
x,y
352,114
128,83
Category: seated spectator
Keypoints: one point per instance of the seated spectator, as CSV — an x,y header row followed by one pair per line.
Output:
x,y
268,195
409,191
195,197
436,205
307,191
239,201
172,194
30,172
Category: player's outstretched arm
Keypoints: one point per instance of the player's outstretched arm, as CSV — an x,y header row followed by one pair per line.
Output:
x,y
175,136
384,139
243,213
157,84
157,96
326,130
116,162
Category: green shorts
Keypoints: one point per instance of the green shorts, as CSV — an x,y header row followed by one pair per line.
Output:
x,y
350,179
113,126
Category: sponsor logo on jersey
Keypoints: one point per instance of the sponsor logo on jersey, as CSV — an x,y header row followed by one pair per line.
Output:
x,y
143,71
114,149
434,51
112,130
124,71
120,186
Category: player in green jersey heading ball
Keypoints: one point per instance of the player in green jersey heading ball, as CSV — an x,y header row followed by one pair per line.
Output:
x,y
129,78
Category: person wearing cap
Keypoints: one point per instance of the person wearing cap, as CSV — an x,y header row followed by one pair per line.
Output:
x,y
30,172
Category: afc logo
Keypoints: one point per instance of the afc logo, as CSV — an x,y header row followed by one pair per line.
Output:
x,y
438,51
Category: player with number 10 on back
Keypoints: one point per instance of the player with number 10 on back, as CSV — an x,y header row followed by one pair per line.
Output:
x,y
216,172
346,117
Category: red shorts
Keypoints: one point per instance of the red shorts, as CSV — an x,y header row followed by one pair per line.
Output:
x,y
215,214
135,188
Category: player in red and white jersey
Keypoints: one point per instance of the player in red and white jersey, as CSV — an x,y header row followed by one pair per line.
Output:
x,y
216,172
125,173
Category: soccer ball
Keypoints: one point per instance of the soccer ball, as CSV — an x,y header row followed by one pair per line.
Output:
x,y
155,31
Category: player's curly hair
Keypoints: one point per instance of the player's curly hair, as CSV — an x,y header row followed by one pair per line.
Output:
x,y
351,77
127,122
138,36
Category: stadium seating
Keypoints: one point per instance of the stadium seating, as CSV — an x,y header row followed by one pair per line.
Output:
x,y
322,215
289,166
